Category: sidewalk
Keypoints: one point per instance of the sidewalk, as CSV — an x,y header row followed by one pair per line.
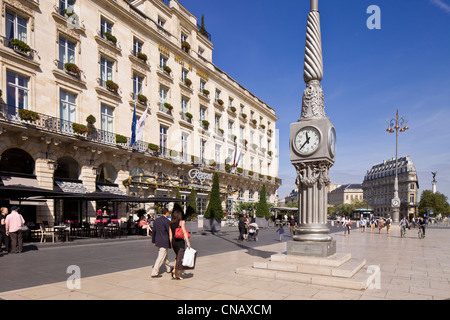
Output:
x,y
410,269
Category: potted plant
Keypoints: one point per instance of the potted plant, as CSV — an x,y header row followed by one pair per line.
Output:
x,y
167,69
28,115
191,213
220,101
112,86
214,212
20,46
244,115
121,139
142,99
168,106
205,124
110,37
250,173
185,46
205,92
90,124
80,129
262,210
240,170
153,147
72,68
227,167
67,13
254,121
142,56
187,82
188,116
233,109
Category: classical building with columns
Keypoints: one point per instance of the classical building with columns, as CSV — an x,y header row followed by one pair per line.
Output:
x,y
74,75
378,187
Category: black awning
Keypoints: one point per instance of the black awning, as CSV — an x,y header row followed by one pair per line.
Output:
x,y
19,192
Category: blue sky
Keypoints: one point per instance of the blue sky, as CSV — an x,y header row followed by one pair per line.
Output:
x,y
368,75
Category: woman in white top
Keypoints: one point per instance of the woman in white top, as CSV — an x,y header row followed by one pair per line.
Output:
x,y
346,225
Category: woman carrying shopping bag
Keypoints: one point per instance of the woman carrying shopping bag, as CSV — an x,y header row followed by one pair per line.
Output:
x,y
179,238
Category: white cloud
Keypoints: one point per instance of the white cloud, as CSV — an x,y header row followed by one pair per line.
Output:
x,y
441,4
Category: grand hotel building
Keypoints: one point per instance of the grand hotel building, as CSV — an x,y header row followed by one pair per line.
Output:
x,y
73,72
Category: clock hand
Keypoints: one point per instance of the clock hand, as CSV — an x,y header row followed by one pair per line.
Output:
x,y
307,141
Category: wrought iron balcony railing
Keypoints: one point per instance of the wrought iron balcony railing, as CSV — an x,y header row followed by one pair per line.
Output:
x,y
46,123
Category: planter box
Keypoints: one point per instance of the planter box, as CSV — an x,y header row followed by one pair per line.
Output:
x,y
192,226
262,222
212,225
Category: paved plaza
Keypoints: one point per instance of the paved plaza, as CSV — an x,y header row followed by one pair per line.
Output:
x,y
410,269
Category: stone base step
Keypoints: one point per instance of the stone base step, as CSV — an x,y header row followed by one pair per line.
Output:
x,y
361,280
335,260
345,270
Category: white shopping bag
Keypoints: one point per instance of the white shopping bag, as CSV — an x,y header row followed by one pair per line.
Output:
x,y
189,258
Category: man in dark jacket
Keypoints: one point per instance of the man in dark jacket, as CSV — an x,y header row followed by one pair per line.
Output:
x,y
160,238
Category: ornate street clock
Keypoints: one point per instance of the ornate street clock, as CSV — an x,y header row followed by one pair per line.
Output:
x,y
312,150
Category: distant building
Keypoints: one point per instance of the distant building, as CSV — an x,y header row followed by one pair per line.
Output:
x,y
345,194
292,196
378,187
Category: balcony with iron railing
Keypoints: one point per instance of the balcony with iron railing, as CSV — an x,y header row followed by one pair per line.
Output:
x,y
19,47
45,123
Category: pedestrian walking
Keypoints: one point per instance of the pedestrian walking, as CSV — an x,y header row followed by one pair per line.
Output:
x,y
388,224
280,230
241,227
13,224
4,239
178,244
403,225
161,239
373,223
346,224
362,223
380,224
292,224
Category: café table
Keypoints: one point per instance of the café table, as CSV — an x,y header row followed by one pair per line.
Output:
x,y
62,232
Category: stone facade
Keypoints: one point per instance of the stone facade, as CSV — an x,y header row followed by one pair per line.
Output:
x,y
378,187
106,59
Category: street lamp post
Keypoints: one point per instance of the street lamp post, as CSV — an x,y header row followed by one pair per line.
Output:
x,y
395,125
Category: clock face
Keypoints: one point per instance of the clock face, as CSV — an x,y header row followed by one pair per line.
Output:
x,y
395,203
307,140
332,141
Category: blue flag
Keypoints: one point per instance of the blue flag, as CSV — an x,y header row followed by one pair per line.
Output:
x,y
133,127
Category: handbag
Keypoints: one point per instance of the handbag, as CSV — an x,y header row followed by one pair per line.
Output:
x,y
179,232
189,258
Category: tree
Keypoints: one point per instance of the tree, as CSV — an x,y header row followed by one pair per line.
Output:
x,y
262,209
433,201
214,209
202,27
191,209
177,205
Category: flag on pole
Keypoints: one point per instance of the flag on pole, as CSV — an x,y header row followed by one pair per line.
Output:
x,y
133,127
236,162
140,125
235,153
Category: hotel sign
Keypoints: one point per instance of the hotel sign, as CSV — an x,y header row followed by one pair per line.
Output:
x,y
200,175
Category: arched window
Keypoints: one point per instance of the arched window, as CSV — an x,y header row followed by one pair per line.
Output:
x,y
107,174
16,160
68,168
